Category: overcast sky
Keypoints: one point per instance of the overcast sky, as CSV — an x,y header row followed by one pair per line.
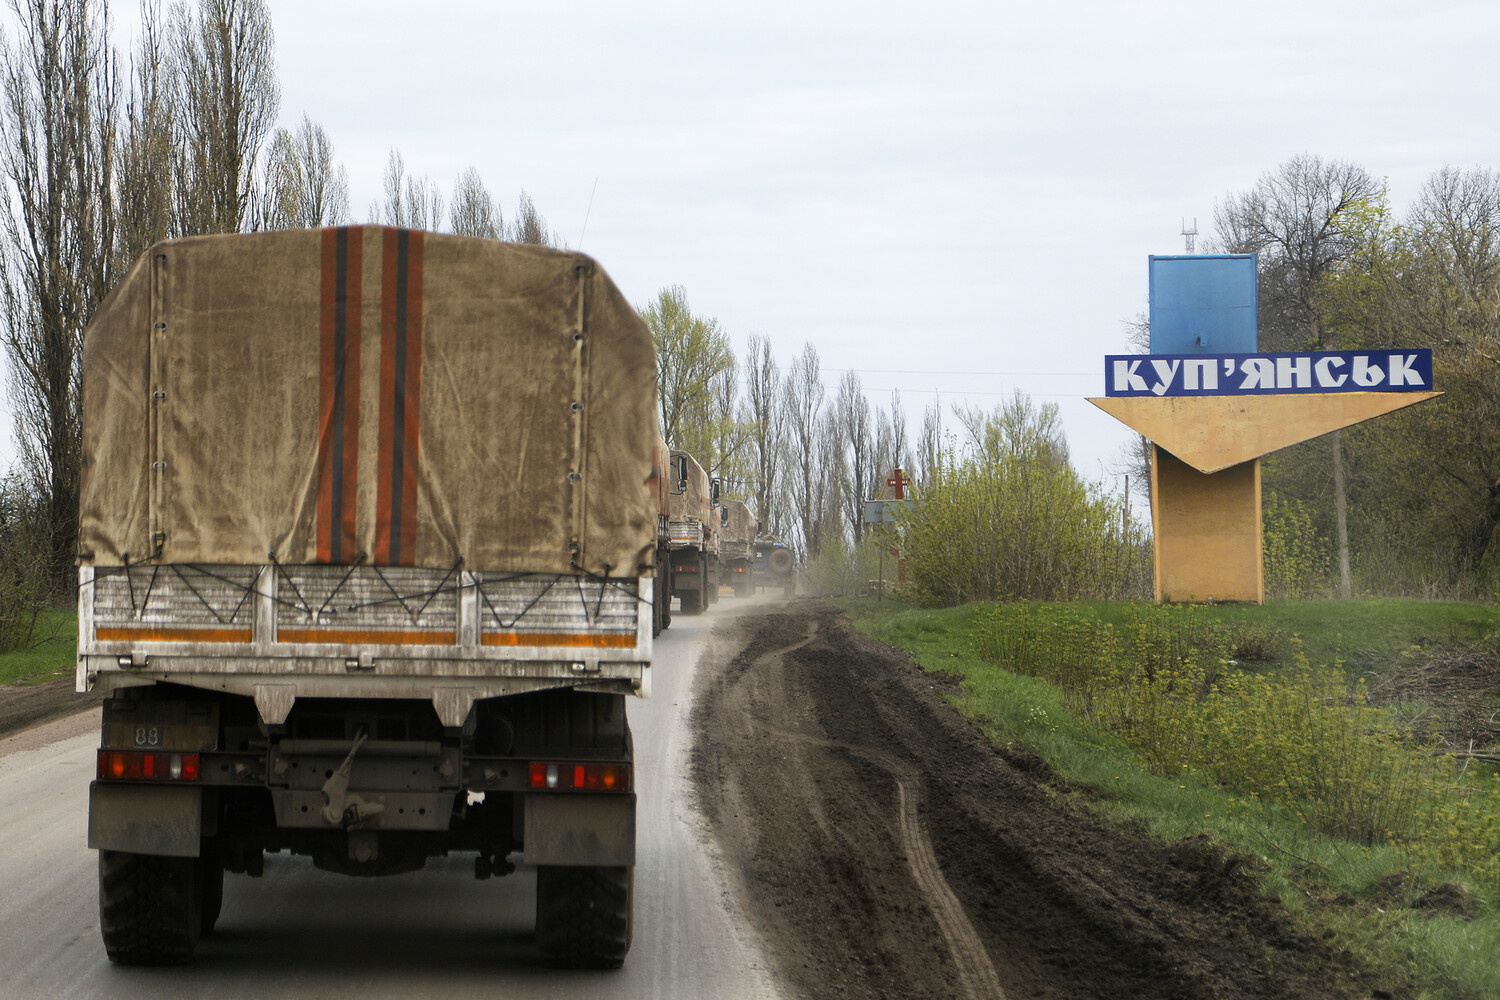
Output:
x,y
950,197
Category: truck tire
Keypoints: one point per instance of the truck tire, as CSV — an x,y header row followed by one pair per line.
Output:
x,y
711,581
150,908
583,915
692,602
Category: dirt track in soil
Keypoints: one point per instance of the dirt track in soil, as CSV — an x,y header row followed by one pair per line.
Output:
x,y
26,705
887,849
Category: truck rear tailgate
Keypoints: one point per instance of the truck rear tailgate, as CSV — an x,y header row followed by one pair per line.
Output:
x,y
277,632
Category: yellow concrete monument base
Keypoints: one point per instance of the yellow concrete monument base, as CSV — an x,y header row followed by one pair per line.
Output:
x,y
1205,492
1207,528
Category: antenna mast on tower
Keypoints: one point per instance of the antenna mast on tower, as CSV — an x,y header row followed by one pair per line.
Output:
x,y
1189,236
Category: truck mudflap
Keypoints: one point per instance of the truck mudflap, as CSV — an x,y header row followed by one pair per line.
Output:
x,y
579,829
146,819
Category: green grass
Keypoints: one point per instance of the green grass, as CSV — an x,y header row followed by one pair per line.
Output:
x,y
1367,636
1337,887
51,655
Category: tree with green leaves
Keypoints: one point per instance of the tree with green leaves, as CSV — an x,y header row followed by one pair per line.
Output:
x,y
1428,478
691,352
1296,220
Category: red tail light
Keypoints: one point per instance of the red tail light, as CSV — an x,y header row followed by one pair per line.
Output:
x,y
147,765
574,777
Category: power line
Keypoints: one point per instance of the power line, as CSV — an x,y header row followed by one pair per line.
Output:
x,y
916,393
918,371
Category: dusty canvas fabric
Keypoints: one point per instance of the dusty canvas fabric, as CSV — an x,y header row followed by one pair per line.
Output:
x,y
367,393
738,532
692,502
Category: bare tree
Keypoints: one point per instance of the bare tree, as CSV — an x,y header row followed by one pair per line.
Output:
x,y
475,212
930,444
144,154
410,202
727,430
855,438
766,416
1296,219
305,187
227,99
898,455
57,140
804,411
530,227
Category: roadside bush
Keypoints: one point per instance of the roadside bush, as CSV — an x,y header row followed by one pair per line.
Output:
x,y
1013,519
24,550
1298,562
843,570
1167,684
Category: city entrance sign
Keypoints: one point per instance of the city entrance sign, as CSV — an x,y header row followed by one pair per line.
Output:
x,y
1267,374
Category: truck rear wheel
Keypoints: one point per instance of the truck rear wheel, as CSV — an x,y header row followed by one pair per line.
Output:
x,y
150,907
692,602
583,915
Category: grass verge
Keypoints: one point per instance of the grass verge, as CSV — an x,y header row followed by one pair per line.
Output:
x,y
1428,921
51,655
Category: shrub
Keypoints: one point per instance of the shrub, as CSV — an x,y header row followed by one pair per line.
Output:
x,y
1014,520
24,563
1165,683
1298,564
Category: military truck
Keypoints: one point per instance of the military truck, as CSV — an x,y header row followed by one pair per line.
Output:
x,y
694,529
367,569
775,565
737,528
661,494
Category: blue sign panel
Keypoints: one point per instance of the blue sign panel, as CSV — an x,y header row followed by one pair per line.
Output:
x,y
1203,304
1263,374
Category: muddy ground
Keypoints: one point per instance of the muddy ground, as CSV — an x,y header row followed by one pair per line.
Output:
x,y
26,705
887,849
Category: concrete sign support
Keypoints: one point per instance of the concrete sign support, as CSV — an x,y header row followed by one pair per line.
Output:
x,y
1207,530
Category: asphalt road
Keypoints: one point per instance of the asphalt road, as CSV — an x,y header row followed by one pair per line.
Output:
x,y
299,932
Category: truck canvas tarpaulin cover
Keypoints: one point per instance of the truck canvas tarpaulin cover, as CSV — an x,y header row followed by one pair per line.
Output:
x,y
301,442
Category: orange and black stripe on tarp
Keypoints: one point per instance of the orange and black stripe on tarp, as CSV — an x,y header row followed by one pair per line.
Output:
x,y
338,416
400,397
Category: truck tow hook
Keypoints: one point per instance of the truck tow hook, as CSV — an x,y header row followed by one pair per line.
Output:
x,y
339,807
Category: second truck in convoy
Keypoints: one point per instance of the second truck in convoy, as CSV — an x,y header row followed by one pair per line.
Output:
x,y
693,526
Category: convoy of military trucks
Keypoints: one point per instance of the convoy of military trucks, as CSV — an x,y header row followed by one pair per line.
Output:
x,y
376,532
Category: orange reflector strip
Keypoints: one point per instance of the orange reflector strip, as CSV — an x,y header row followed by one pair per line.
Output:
x,y
110,633
557,639
376,638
